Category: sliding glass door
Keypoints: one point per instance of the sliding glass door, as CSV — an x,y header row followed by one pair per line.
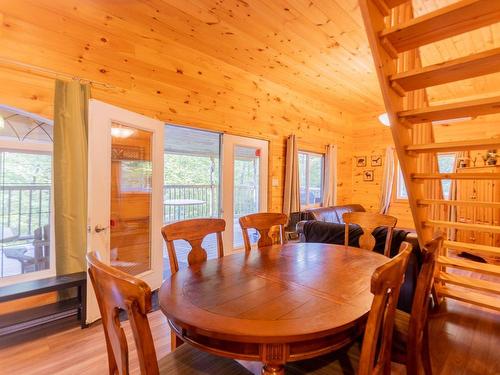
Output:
x,y
215,175
191,183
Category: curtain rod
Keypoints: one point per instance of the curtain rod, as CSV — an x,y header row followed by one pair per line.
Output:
x,y
52,73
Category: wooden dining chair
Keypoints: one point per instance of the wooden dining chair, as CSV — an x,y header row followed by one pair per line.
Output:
x,y
411,331
193,231
263,222
375,355
368,221
116,291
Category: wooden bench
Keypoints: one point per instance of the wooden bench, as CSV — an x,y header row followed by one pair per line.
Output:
x,y
31,317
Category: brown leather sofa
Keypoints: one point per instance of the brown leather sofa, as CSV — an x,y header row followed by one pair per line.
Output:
x,y
331,214
334,214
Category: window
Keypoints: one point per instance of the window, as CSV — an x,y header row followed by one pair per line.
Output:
x,y
446,164
401,192
311,171
26,245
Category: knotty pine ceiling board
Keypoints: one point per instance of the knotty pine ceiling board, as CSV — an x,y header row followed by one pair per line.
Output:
x,y
311,53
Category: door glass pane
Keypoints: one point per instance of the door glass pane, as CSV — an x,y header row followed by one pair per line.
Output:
x,y
315,178
131,175
25,183
191,183
246,189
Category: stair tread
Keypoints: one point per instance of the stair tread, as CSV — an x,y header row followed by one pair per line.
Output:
x,y
455,19
471,297
472,247
459,203
470,265
467,226
464,109
474,65
456,176
473,144
487,286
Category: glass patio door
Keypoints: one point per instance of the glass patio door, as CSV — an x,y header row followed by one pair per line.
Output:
x,y
125,193
244,185
191,184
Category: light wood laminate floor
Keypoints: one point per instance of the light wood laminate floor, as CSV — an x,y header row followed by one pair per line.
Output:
x,y
464,340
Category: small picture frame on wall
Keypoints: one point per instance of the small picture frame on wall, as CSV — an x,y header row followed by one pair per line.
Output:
x,y
376,160
368,175
360,161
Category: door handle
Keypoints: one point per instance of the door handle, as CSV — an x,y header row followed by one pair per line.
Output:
x,y
99,229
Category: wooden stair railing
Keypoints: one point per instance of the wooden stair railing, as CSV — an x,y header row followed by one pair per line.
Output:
x,y
395,35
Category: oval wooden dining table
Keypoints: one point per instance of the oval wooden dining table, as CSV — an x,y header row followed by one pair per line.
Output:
x,y
275,305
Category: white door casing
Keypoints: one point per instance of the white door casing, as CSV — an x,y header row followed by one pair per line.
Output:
x,y
229,142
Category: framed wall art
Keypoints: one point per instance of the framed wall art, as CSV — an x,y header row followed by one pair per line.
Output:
x,y
368,175
360,161
376,160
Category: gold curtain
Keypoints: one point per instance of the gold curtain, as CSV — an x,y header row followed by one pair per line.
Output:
x,y
291,197
70,175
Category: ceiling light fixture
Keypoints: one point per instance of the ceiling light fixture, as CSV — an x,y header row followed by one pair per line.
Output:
x,y
384,119
119,132
2,122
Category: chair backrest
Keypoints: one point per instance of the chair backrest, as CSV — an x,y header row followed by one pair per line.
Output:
x,y
368,221
115,291
420,306
263,222
385,285
193,231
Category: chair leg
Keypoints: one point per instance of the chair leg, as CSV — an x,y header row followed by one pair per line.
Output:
x,y
426,353
175,341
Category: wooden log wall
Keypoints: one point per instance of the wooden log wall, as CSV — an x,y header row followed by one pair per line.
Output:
x,y
152,61
160,72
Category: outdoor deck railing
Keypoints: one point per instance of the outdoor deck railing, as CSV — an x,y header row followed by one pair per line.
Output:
x,y
245,198
24,208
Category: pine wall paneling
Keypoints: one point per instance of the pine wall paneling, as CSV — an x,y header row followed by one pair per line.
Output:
x,y
372,138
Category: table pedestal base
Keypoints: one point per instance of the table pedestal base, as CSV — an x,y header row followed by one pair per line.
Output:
x,y
273,356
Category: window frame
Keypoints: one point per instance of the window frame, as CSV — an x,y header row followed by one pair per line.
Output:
x,y
322,156
27,147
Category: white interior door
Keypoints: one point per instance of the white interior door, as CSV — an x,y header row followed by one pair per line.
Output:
x,y
125,200
244,184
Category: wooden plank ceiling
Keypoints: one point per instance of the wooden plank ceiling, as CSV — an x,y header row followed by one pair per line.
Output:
x,y
317,48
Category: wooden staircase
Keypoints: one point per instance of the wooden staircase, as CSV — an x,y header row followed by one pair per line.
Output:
x,y
395,35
